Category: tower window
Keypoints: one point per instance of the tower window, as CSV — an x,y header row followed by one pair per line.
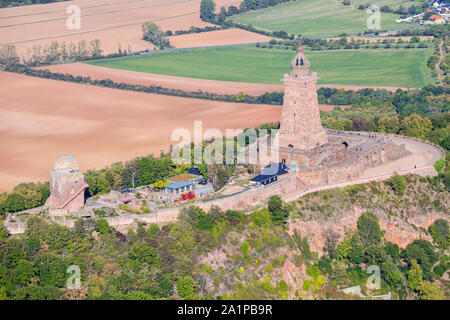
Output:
x,y
296,63
301,62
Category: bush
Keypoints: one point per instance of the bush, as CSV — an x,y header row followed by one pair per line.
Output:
x,y
103,226
398,184
277,213
369,229
186,287
439,165
440,232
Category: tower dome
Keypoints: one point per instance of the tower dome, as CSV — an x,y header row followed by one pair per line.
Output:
x,y
300,65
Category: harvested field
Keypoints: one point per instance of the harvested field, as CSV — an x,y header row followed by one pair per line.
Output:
x,y
214,38
180,83
98,125
114,22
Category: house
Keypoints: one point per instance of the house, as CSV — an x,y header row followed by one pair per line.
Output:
x,y
435,19
192,182
270,174
177,188
187,177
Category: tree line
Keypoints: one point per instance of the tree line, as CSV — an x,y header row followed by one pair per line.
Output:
x,y
208,7
56,52
343,43
274,98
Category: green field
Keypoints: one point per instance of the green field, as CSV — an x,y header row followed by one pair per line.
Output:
x,y
314,18
380,67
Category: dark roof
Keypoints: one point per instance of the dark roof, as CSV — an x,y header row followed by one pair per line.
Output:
x,y
270,171
195,171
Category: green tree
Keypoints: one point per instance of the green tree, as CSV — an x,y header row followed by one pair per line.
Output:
x,y
431,291
151,32
391,274
277,213
392,250
369,229
23,273
207,9
389,124
22,198
143,253
52,271
8,55
423,253
3,232
356,254
440,233
398,184
415,277
186,287
416,126
197,218
5,278
375,254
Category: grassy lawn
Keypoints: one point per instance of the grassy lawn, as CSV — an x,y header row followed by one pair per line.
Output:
x,y
313,18
380,67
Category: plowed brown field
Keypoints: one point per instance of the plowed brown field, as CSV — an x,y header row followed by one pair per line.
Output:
x,y
114,22
41,120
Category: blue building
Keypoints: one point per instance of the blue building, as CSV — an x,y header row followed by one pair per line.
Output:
x,y
270,174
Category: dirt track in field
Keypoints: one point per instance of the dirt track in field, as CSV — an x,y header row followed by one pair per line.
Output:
x,y
41,120
114,22
180,83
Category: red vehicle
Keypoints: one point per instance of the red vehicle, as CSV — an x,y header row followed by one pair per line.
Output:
x,y
186,196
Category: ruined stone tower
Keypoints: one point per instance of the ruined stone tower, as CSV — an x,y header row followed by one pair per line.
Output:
x,y
67,186
300,126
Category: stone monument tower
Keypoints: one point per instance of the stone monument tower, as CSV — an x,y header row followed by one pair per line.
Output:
x,y
67,186
300,126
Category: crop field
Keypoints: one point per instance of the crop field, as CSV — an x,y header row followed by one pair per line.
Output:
x,y
381,67
98,125
114,22
313,18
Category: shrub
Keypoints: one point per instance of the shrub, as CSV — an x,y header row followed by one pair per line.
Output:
x,y
186,287
440,232
369,229
398,184
103,226
439,165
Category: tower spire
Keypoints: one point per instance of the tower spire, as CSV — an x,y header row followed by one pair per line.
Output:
x,y
300,47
